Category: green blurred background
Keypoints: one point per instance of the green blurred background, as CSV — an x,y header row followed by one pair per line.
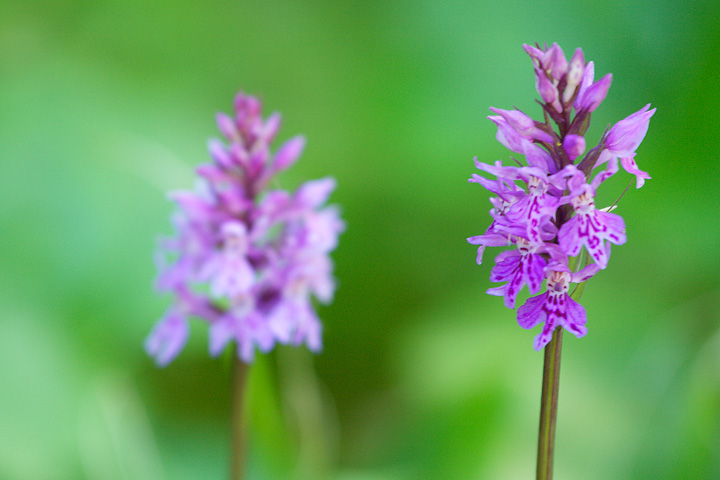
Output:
x,y
104,106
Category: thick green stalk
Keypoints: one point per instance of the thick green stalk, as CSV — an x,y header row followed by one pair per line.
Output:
x,y
237,454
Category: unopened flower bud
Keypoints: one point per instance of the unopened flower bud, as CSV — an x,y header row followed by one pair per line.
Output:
x,y
288,153
596,93
535,53
574,146
547,90
271,127
507,135
587,80
574,74
559,62
219,154
226,126
523,124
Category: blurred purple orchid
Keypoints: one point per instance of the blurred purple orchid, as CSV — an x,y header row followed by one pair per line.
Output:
x,y
246,259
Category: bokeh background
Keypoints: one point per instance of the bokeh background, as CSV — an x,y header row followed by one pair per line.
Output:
x,y
105,106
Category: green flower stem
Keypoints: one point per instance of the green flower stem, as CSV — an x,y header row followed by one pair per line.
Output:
x,y
237,454
549,399
548,406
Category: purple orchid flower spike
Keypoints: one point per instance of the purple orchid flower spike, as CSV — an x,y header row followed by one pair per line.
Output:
x,y
245,260
544,210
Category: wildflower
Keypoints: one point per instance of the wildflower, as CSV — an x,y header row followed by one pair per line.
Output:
x,y
524,266
625,136
168,337
590,227
247,259
545,211
555,308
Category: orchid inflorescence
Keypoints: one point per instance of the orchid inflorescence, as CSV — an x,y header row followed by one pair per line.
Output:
x,y
546,210
246,259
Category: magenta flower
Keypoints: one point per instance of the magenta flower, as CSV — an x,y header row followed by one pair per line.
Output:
x,y
228,270
168,337
545,211
523,125
555,308
628,163
575,73
524,266
589,227
595,94
625,136
591,94
574,146
245,259
508,136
